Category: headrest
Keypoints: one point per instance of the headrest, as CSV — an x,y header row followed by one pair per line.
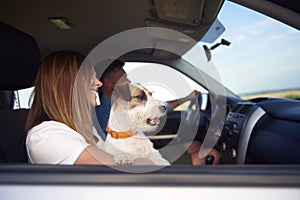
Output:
x,y
19,58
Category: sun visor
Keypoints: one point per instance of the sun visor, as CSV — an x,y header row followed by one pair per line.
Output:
x,y
19,58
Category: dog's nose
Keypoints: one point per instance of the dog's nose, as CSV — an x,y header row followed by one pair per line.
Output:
x,y
163,108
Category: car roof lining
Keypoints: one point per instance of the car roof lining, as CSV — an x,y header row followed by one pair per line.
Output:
x,y
94,21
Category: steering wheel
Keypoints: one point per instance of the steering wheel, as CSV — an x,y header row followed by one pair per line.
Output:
x,y
190,123
193,111
187,131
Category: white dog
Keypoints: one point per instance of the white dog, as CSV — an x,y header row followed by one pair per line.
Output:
x,y
129,120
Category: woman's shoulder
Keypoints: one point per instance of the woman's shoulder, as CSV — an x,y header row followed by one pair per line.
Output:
x,y
51,127
55,143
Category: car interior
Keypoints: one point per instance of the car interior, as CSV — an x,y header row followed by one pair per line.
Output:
x,y
256,138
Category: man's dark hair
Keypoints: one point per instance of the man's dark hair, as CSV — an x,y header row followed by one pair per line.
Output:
x,y
114,66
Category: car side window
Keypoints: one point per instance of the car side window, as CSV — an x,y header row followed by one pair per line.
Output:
x,y
22,98
164,82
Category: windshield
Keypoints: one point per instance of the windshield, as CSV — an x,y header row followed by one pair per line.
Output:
x,y
261,58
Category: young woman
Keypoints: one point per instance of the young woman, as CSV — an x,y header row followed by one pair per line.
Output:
x,y
60,125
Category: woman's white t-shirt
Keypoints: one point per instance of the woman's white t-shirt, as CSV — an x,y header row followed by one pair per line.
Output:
x,y
52,142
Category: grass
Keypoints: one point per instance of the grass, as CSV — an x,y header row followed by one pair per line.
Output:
x,y
291,94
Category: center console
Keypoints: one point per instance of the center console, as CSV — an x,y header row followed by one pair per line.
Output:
x,y
236,133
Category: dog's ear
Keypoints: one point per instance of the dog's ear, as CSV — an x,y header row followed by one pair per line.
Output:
x,y
123,91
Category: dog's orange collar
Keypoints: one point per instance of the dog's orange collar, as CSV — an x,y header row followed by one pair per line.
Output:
x,y
119,135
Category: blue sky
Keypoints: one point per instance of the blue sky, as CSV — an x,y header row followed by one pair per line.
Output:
x,y
263,55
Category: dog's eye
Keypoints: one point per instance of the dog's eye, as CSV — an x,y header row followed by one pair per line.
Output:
x,y
141,96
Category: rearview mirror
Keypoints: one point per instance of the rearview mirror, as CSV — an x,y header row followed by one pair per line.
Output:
x,y
208,50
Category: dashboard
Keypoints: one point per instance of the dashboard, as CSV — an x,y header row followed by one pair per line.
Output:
x,y
262,131
257,131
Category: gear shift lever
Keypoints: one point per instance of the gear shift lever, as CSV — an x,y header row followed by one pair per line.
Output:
x,y
209,159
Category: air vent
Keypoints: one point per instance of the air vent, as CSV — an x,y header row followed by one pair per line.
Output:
x,y
241,108
236,108
245,108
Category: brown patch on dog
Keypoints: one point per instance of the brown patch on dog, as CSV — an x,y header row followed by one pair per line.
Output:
x,y
138,97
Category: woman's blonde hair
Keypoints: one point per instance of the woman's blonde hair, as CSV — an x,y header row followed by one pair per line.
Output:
x,y
62,93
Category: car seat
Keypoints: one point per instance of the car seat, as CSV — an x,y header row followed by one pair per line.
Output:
x,y
19,62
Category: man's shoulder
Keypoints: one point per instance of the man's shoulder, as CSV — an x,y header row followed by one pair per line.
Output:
x,y
105,101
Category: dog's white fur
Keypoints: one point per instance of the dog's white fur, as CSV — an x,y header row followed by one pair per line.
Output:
x,y
142,113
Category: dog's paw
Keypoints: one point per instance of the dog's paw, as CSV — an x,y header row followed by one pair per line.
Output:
x,y
124,160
